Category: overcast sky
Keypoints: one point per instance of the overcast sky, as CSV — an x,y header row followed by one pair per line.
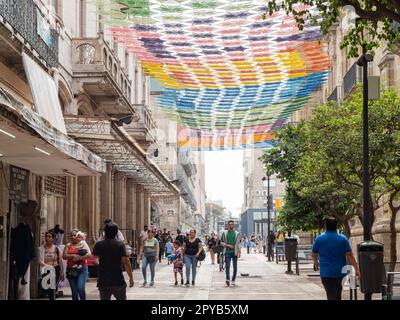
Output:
x,y
224,178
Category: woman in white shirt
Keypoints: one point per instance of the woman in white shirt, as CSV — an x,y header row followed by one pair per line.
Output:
x,y
50,261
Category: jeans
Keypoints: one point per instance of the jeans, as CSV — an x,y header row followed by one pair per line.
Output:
x,y
228,257
333,288
190,261
161,254
78,284
119,292
145,263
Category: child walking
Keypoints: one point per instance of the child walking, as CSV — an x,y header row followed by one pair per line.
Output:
x,y
177,261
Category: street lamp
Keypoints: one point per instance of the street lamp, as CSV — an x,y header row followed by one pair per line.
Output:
x,y
367,56
269,250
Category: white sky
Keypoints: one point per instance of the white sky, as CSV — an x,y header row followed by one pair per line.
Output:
x,y
224,178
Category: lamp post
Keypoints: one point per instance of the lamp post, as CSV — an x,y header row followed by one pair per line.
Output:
x,y
363,62
269,216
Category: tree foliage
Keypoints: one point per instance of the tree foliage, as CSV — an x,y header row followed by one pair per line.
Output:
x,y
321,161
378,21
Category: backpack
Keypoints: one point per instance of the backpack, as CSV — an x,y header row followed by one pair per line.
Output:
x,y
202,255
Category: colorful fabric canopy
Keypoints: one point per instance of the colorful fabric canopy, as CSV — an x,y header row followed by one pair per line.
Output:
x,y
231,77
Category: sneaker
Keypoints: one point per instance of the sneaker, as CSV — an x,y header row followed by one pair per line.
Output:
x,y
176,283
151,284
144,284
232,282
227,283
181,281
187,284
193,283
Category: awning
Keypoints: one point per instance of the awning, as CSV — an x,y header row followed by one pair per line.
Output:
x,y
115,145
29,141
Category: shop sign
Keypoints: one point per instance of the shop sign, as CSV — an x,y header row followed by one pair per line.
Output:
x,y
19,184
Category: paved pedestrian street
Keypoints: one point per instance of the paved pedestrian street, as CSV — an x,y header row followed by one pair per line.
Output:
x,y
266,281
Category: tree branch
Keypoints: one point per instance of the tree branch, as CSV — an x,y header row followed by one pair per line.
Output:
x,y
341,176
382,12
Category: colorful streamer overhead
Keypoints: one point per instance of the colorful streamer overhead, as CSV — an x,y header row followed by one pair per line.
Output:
x,y
231,77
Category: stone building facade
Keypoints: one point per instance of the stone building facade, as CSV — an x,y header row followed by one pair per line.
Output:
x,y
254,212
97,158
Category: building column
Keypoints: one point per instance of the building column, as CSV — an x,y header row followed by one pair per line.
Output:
x,y
71,205
139,208
147,208
130,204
107,194
4,209
120,199
94,208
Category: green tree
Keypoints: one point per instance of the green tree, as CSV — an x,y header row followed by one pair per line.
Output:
x,y
377,19
322,160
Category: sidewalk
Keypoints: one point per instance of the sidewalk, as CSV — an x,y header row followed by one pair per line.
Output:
x,y
266,281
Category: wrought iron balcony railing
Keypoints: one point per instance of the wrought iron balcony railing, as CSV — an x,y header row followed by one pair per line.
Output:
x,y
351,78
26,19
334,95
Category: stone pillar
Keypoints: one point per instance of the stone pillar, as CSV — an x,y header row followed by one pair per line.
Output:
x,y
107,194
139,208
94,208
84,206
120,199
147,208
71,205
130,204
4,209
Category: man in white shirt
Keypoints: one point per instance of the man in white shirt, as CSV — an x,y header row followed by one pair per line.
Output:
x,y
143,234
119,236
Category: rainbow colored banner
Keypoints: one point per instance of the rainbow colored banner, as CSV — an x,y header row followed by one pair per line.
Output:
x,y
227,71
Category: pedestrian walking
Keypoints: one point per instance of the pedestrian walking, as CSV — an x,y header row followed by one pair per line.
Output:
x,y
180,237
119,237
168,249
191,250
161,241
332,250
149,252
112,255
231,241
76,253
51,259
143,234
211,243
177,261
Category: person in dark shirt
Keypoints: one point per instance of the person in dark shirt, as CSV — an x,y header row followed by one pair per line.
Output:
x,y
192,247
180,237
112,255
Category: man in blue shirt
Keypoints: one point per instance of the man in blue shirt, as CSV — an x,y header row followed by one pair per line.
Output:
x,y
332,249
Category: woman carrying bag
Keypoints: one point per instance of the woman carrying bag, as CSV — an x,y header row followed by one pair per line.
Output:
x,y
149,252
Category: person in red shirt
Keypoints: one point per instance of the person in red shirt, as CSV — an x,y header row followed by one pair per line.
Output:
x,y
76,253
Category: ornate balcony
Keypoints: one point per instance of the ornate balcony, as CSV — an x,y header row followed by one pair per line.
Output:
x,y
24,26
143,130
98,72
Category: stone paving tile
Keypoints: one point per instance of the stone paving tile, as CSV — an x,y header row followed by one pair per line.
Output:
x,y
266,281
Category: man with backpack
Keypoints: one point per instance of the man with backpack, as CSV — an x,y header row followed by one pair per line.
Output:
x,y
230,240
